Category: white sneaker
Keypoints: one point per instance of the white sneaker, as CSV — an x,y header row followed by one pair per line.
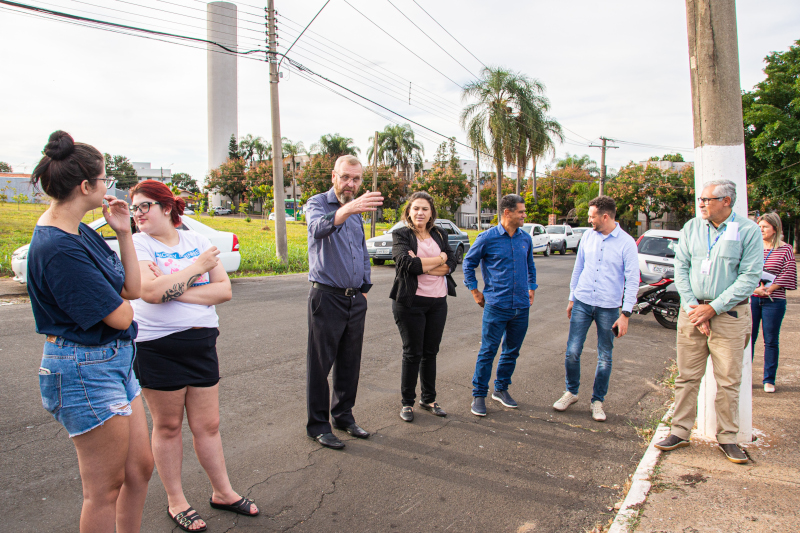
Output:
x,y
769,387
565,401
597,411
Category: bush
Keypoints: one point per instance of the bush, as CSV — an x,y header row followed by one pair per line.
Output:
x,y
211,213
248,219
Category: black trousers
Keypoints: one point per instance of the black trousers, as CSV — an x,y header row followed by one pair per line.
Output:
x,y
335,336
421,327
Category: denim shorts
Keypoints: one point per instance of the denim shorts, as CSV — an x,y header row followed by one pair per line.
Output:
x,y
83,386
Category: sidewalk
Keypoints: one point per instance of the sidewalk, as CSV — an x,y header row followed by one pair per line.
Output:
x,y
696,489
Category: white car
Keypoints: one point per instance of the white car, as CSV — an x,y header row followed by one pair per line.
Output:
x,y
227,242
289,218
657,251
563,238
540,238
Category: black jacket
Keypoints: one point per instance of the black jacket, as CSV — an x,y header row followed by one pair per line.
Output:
x,y
408,268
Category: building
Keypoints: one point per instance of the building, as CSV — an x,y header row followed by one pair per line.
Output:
x,y
144,172
13,183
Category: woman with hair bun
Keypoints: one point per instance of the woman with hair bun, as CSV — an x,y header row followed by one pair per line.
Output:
x,y
177,365
79,292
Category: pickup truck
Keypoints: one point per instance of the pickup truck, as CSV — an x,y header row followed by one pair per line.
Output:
x,y
562,238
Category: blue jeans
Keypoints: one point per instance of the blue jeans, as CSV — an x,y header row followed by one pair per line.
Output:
x,y
769,314
582,317
511,324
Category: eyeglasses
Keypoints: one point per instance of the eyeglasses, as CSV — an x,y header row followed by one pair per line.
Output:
x,y
143,207
706,200
355,180
108,181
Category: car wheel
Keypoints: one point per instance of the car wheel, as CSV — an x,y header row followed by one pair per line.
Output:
x,y
563,249
378,262
547,250
459,255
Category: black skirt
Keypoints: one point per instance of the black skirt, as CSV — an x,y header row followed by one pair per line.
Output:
x,y
185,358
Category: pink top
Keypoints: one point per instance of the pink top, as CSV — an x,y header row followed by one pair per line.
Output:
x,y
430,286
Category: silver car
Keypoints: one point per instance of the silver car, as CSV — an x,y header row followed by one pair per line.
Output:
x,y
380,247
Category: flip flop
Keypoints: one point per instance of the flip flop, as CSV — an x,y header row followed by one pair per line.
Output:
x,y
241,507
185,522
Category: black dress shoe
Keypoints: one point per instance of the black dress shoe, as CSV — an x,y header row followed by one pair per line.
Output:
x,y
433,408
407,413
670,443
355,431
329,440
734,453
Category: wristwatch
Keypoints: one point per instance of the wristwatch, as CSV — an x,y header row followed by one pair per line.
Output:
x,y
627,314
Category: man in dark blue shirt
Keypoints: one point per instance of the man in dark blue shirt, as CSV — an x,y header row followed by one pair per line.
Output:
x,y
505,254
339,272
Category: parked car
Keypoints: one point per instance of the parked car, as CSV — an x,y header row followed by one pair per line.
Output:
x,y
188,212
540,238
563,238
218,210
657,251
380,247
227,242
289,218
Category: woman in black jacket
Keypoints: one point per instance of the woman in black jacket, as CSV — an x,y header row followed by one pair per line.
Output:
x,y
422,282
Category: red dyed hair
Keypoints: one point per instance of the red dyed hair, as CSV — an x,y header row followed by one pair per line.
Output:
x,y
163,195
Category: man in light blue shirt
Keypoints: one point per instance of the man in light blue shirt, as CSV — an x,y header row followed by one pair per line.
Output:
x,y
605,276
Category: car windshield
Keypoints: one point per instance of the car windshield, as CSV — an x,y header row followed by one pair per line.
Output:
x,y
396,226
578,231
658,246
555,229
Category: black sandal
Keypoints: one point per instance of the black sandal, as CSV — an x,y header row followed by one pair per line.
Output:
x,y
241,507
185,522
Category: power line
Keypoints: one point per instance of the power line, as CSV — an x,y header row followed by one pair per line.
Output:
x,y
401,44
450,34
682,148
304,30
432,40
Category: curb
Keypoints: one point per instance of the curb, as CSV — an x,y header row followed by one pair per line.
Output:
x,y
640,485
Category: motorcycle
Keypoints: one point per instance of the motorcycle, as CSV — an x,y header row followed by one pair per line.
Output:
x,y
654,296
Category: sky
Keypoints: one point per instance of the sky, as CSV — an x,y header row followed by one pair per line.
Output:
x,y
615,69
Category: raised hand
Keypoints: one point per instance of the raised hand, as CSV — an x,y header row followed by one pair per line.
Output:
x,y
369,201
117,214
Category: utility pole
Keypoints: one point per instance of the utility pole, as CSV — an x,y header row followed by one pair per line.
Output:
x,y
718,154
374,181
294,188
478,186
281,245
603,149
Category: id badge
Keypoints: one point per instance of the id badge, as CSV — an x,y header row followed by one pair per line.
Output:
x,y
705,267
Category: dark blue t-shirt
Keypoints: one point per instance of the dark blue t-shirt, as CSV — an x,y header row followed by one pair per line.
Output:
x,y
74,282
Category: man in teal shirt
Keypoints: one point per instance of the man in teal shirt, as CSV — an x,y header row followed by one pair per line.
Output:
x,y
718,264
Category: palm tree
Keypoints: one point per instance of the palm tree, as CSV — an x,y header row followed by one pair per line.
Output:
x,y
335,145
575,161
397,148
291,149
491,121
542,144
584,193
262,149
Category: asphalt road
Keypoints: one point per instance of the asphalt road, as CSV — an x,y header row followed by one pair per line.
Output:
x,y
529,469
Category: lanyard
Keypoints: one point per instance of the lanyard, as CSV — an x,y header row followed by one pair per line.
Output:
x,y
710,246
769,254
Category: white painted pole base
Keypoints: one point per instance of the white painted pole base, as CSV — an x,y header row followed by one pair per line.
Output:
x,y
716,163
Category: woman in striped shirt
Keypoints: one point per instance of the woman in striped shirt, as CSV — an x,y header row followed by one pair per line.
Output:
x,y
768,304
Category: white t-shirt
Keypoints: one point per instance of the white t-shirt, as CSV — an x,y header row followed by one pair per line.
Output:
x,y
159,320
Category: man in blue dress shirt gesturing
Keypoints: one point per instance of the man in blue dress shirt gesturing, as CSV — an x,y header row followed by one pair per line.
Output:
x,y
605,276
505,254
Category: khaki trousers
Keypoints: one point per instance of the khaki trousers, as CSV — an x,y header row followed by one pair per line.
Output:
x,y
725,345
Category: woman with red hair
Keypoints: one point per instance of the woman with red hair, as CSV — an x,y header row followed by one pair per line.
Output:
x,y
177,365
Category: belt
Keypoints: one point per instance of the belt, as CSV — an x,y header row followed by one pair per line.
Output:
x,y
335,290
746,301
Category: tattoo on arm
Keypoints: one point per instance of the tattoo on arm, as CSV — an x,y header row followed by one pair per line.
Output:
x,y
173,293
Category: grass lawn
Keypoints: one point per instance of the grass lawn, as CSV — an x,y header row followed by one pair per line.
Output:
x,y
256,245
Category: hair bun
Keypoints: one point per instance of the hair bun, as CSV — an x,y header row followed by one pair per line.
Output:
x,y
59,146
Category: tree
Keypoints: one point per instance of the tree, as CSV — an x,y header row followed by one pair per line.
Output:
x,y
5,167
229,180
583,162
445,180
490,121
20,198
185,182
653,192
397,148
584,193
233,149
772,137
121,169
315,177
334,145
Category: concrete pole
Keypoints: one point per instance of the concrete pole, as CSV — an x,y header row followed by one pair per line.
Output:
x,y
279,203
221,76
602,167
719,154
375,173
478,186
